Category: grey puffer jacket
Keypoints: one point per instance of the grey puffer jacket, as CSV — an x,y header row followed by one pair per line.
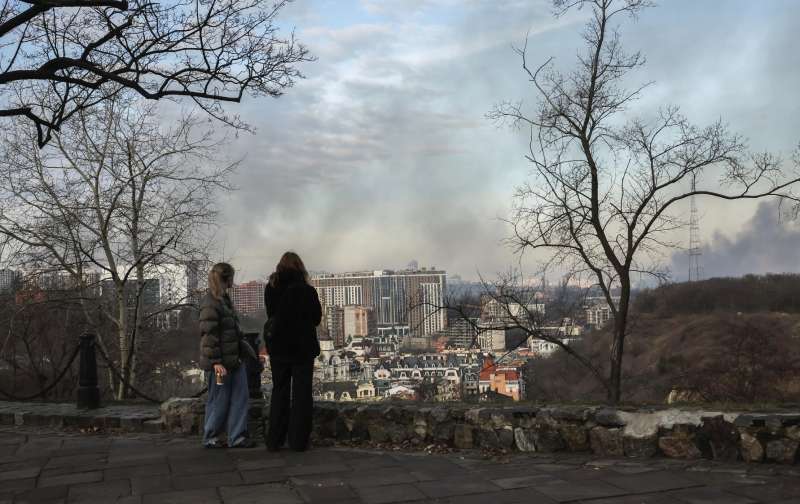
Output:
x,y
220,342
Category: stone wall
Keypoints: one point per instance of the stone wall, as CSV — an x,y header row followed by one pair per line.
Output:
x,y
687,434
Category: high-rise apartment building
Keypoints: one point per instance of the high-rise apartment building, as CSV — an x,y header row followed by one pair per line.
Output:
x,y
248,298
491,338
408,297
9,281
359,322
462,333
197,279
511,312
333,322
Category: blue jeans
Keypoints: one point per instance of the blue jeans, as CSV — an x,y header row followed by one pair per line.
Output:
x,y
227,405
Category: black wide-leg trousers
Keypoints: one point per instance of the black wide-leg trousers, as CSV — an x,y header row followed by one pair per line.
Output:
x,y
291,404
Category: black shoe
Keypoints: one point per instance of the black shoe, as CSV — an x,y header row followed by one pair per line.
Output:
x,y
214,445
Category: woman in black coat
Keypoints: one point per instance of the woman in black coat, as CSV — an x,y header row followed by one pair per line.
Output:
x,y
295,312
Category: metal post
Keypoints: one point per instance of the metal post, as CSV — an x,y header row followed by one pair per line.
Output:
x,y
254,367
88,393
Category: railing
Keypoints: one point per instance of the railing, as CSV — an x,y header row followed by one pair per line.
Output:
x,y
89,391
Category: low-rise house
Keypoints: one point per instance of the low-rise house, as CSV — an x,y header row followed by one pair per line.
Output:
x,y
400,392
339,391
505,381
365,390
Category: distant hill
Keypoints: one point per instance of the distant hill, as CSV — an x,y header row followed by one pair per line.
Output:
x,y
748,294
734,340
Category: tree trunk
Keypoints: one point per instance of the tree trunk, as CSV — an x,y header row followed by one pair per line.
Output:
x,y
137,323
618,343
124,349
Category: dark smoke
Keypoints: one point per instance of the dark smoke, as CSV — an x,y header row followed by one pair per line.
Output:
x,y
769,243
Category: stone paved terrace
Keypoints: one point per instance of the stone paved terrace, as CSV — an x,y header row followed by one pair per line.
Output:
x,y
39,464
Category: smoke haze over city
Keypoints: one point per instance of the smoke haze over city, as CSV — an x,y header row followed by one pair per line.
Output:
x,y
383,154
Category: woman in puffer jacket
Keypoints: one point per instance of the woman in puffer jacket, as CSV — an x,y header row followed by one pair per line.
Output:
x,y
222,352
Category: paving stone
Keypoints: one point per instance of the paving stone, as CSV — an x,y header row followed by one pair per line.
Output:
x,y
522,481
24,463
516,496
128,444
135,459
198,496
554,468
635,499
651,482
584,474
390,494
19,486
456,486
29,472
432,469
769,490
724,480
206,480
326,493
318,480
311,458
151,484
130,499
259,494
264,476
709,496
372,462
263,463
379,477
300,470
43,494
199,467
75,461
131,471
12,439
39,446
632,469
565,491
99,492
72,469
70,479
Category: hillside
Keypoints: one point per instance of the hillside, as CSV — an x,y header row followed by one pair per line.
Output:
x,y
731,340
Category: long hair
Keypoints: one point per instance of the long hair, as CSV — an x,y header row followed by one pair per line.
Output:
x,y
290,263
220,275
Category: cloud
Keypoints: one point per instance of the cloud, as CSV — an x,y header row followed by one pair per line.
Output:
x,y
383,153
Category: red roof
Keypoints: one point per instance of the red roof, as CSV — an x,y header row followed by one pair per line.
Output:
x,y
509,374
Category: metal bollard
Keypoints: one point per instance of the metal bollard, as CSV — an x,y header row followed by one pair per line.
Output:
x,y
88,393
254,367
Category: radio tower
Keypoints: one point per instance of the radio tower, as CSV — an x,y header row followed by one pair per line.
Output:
x,y
694,237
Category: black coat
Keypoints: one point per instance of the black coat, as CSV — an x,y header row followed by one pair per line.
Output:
x,y
298,311
220,341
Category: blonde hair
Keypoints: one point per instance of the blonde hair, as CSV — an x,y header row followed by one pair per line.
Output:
x,y
220,275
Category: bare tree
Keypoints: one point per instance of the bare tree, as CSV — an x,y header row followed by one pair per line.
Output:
x,y
507,306
119,195
605,195
60,57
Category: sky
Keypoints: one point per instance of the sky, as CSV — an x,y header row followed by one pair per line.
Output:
x,y
384,154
